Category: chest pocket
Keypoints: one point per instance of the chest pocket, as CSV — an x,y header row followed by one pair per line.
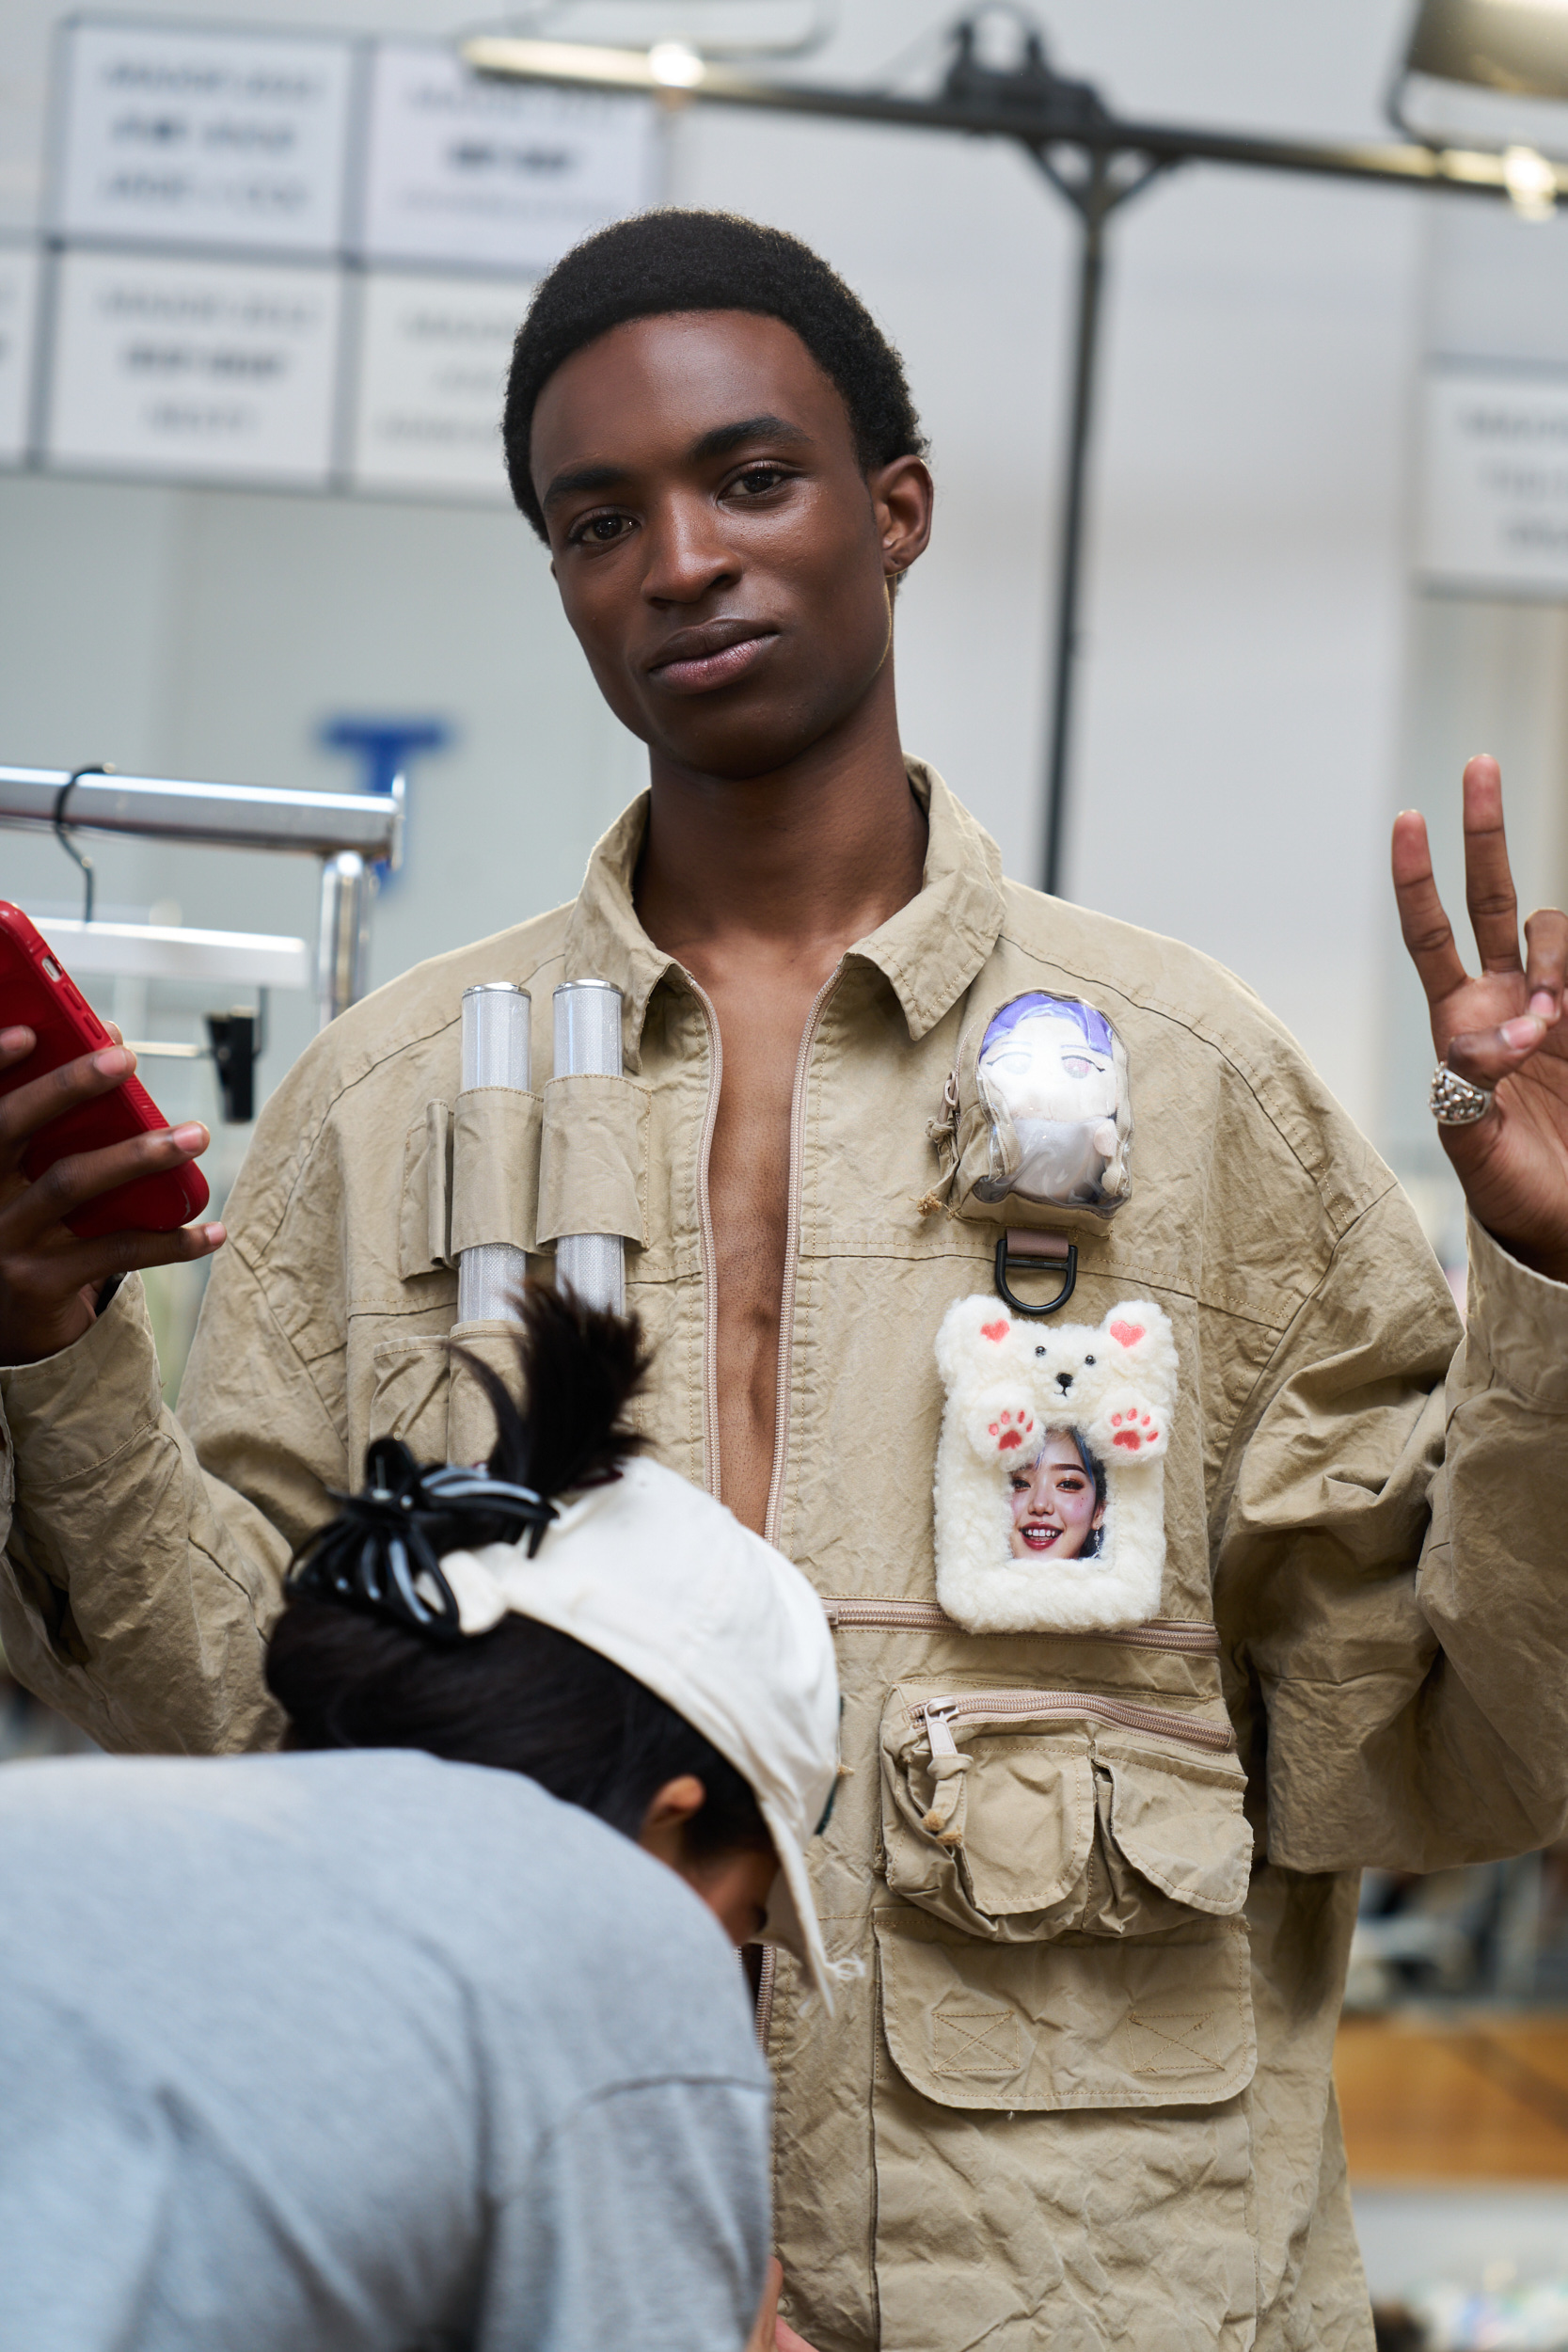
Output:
x,y
1019,1815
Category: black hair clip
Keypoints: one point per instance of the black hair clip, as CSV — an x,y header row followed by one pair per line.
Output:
x,y
387,1542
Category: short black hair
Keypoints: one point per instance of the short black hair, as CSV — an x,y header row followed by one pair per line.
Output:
x,y
675,260
521,1698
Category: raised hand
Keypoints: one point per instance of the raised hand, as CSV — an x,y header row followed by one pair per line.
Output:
x,y
49,1279
1505,1029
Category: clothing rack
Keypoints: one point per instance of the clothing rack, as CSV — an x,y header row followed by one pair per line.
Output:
x,y
351,833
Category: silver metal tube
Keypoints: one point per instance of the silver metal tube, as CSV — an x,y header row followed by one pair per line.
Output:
x,y
496,1052
224,816
588,1042
344,942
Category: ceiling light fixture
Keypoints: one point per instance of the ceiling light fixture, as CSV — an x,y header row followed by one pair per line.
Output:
x,y
676,65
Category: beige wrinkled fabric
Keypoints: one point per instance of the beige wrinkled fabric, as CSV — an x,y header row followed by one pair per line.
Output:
x,y
1080,2095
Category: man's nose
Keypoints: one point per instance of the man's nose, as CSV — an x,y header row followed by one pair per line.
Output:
x,y
688,555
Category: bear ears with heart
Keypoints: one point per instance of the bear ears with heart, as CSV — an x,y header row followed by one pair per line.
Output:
x,y
1050,1486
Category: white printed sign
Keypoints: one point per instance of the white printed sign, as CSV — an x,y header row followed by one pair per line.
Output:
x,y
212,370
210,138
492,175
19,277
1494,481
433,361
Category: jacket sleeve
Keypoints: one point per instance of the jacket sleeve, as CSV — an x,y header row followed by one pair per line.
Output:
x,y
138,1581
1392,1567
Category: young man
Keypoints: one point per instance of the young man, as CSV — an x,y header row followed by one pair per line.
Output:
x,y
1073,2098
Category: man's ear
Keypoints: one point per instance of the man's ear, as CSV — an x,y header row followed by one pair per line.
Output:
x,y
669,1810
902,498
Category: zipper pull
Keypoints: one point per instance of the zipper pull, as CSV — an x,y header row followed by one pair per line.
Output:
x,y
939,1729
949,1766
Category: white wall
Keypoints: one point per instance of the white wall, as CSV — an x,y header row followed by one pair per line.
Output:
x,y
1239,750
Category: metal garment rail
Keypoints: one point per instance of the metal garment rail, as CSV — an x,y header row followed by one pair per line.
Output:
x,y
349,832
1050,118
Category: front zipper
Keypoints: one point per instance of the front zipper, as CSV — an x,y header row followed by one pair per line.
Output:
x,y
792,1253
767,1976
928,1616
939,1715
705,1244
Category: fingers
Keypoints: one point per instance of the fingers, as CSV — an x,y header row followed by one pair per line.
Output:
x,y
33,1106
763,2335
1547,961
15,1046
1427,931
87,1266
82,1176
1488,878
1484,1056
132,1252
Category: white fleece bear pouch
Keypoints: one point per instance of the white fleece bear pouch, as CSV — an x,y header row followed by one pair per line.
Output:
x,y
1050,1477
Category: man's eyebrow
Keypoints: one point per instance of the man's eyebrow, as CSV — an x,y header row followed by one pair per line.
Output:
x,y
578,478
718,443
724,437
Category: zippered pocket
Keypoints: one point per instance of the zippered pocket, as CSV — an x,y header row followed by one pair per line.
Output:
x,y
1021,1813
928,1616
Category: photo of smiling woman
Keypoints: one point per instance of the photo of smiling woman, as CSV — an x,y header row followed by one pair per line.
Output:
x,y
1057,1501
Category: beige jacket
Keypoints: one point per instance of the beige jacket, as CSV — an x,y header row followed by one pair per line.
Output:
x,y
1079,2094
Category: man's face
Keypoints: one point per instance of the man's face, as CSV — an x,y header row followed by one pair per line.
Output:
x,y
721,556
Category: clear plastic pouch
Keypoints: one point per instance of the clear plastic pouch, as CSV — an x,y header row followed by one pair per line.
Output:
x,y
1040,1114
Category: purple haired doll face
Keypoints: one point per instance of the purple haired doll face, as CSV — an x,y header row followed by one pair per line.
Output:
x,y
1049,1058
1048,1074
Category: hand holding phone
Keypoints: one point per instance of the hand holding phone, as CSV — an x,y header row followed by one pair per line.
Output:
x,y
93,1181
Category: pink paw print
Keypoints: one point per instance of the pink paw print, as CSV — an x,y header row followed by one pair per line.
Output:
x,y
1011,1429
1135,1430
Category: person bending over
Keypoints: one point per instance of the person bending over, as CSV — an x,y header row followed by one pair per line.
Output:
x,y
1016,2130
407,2038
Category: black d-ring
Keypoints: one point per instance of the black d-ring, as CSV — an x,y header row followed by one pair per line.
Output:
x,y
1005,1257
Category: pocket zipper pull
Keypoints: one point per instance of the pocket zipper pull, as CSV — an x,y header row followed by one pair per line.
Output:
x,y
939,1730
945,1819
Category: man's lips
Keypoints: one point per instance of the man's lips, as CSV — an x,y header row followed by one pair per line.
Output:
x,y
696,659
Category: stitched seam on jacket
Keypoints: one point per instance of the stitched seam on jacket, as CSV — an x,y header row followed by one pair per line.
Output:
x,y
1230,1466
139,1436
339,1429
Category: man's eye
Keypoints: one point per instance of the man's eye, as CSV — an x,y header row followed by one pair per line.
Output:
x,y
601,530
756,480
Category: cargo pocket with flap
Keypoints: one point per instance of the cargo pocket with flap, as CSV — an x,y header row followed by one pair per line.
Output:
x,y
1061,1963
1023,1814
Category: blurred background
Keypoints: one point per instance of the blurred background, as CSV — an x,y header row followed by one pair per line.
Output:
x,y
253,530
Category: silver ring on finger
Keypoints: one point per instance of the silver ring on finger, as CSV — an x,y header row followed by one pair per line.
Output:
x,y
1454,1102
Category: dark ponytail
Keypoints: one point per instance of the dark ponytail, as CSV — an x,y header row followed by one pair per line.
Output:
x,y
354,1673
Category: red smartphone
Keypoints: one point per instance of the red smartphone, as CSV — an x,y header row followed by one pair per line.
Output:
x,y
37,992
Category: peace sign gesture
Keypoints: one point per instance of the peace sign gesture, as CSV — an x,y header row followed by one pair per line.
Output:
x,y
1505,1030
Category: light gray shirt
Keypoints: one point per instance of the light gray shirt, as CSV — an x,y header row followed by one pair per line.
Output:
x,y
363,2050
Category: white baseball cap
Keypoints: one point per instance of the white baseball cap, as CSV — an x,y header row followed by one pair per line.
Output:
x,y
660,1578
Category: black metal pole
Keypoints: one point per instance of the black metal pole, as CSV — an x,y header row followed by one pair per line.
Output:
x,y
1094,208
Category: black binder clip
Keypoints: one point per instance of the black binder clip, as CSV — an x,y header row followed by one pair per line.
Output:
x,y
1018,1247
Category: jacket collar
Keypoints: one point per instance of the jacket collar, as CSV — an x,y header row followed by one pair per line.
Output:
x,y
930,951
